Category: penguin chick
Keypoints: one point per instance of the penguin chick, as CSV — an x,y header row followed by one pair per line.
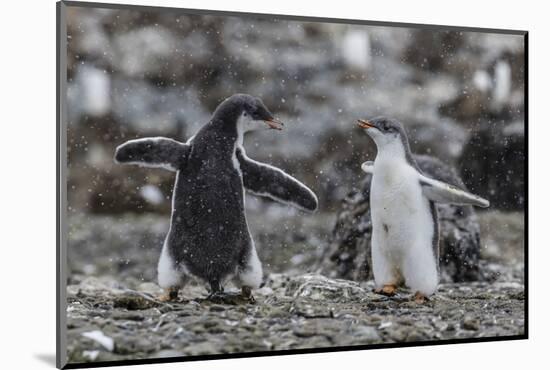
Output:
x,y
209,236
405,227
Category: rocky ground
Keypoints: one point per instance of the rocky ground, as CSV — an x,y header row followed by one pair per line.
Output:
x,y
112,312
291,312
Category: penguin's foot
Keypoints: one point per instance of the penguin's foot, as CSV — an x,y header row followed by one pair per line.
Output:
x,y
169,294
420,298
246,292
387,290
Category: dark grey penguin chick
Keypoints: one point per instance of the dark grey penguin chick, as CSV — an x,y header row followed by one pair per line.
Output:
x,y
209,236
405,227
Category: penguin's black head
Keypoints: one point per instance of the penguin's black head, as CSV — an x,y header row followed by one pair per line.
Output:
x,y
385,132
382,124
248,111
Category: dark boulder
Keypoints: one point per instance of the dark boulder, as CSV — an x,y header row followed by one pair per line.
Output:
x,y
348,254
421,53
492,164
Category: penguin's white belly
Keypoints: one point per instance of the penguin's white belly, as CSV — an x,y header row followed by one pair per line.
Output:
x,y
400,213
402,228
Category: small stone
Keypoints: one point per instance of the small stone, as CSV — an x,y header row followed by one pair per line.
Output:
x,y
415,336
134,301
470,324
366,333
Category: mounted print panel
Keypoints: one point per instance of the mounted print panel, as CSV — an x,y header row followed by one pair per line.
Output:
x,y
239,184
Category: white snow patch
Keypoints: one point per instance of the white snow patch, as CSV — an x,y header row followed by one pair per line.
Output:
x,y
152,194
94,88
98,336
384,325
97,156
297,259
482,81
356,49
503,83
89,269
90,355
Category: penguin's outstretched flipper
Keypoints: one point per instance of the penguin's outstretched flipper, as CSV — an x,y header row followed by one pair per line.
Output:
x,y
442,192
265,180
368,167
158,152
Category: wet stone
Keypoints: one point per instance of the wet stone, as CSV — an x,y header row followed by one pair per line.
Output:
x,y
470,324
134,301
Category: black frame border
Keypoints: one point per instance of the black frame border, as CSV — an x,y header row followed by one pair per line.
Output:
x,y
61,182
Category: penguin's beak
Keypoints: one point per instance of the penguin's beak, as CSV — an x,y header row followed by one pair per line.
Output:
x,y
274,124
363,123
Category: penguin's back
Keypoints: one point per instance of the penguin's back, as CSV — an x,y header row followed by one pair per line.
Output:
x,y
209,233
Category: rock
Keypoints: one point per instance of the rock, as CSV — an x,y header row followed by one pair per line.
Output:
x,y
493,156
135,301
134,344
422,54
228,298
366,333
201,348
348,253
319,288
470,324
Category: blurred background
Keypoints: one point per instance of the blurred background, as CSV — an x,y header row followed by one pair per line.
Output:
x,y
134,73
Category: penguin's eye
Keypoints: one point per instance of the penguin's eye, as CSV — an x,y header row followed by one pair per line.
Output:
x,y
245,114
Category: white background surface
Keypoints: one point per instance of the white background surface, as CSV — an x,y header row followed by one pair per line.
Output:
x,y
27,186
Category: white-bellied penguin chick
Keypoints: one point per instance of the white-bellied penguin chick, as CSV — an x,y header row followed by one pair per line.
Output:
x,y
405,227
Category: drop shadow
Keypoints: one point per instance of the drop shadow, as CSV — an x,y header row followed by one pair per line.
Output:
x,y
47,358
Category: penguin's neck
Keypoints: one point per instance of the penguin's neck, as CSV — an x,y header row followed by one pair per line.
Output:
x,y
393,151
224,134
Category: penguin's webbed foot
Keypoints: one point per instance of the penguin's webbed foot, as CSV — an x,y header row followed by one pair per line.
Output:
x,y
246,292
420,298
388,290
169,295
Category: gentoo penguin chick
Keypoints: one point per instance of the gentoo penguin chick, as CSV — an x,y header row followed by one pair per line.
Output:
x,y
208,236
405,227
